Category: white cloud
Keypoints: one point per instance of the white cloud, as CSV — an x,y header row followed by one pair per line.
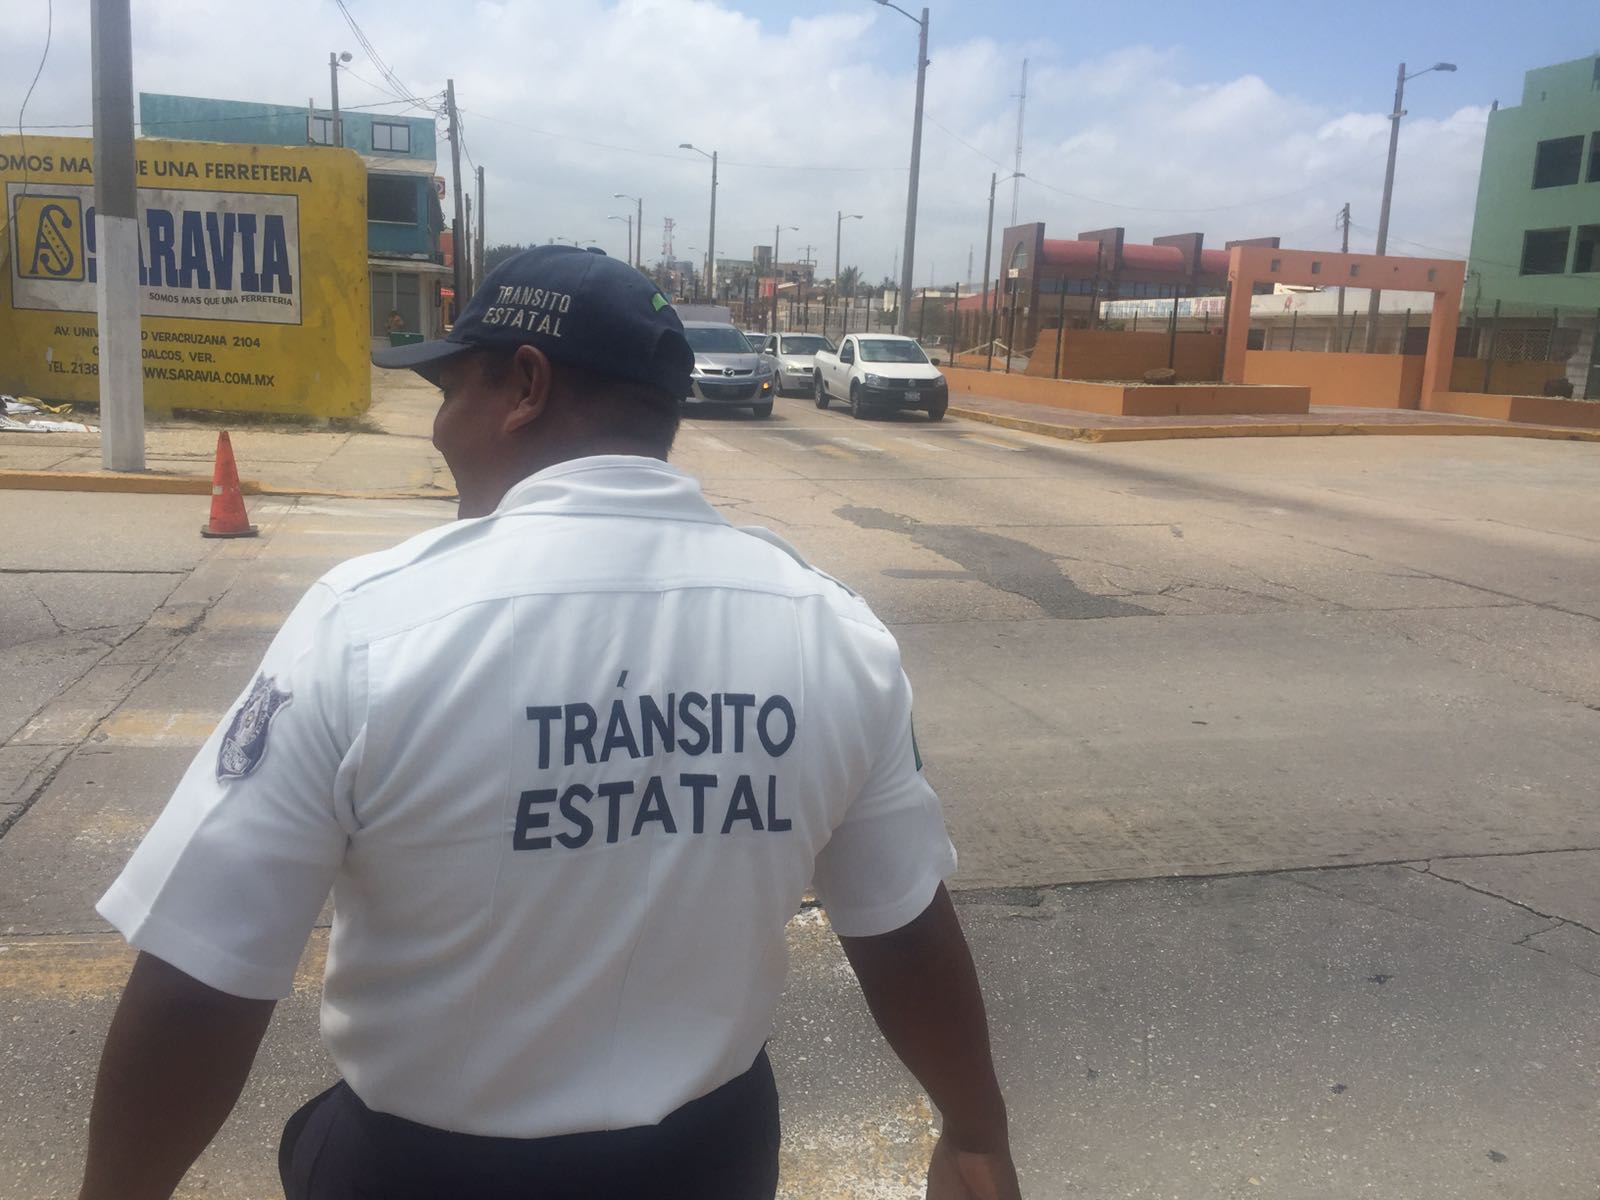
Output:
x,y
1238,157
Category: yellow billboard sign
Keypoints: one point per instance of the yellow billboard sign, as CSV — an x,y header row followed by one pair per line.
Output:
x,y
252,275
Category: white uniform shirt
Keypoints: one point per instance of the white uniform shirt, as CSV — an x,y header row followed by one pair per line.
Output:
x,y
568,770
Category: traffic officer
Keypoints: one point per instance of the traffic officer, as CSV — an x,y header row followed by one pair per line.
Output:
x,y
567,766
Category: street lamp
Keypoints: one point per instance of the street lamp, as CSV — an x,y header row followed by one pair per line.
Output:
x,y
988,242
639,257
776,230
629,220
838,230
902,314
333,76
1388,186
711,234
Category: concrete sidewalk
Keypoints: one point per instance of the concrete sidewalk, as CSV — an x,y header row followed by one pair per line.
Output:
x,y
388,453
1319,422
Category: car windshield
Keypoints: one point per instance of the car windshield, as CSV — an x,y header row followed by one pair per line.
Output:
x,y
891,350
716,339
809,344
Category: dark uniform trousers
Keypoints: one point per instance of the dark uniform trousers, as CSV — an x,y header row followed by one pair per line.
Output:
x,y
722,1146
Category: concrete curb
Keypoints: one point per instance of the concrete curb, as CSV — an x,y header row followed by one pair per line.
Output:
x,y
1162,433
151,483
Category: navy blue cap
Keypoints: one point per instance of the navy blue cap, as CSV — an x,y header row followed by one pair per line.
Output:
x,y
580,307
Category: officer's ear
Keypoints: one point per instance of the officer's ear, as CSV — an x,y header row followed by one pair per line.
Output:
x,y
531,381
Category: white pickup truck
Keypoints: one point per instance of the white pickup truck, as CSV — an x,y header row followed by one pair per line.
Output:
x,y
880,371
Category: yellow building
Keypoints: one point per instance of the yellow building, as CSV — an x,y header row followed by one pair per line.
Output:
x,y
252,272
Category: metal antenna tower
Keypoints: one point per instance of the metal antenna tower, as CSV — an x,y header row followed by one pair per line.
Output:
x,y
1022,108
666,239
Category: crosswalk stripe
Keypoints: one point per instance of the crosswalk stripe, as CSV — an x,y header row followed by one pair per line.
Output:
x,y
710,443
864,447
1007,447
923,446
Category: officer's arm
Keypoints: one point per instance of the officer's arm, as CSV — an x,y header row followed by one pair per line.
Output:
x,y
172,1069
921,986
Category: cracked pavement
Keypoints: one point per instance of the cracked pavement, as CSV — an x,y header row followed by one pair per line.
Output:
x,y
1272,765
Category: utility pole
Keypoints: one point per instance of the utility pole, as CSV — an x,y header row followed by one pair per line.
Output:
x,y
838,234
477,251
1022,107
1388,184
1343,221
458,232
988,243
333,79
116,221
711,233
1388,195
467,240
907,264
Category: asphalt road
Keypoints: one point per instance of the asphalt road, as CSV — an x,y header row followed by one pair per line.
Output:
x,y
1349,688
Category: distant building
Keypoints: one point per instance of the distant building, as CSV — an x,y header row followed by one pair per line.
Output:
x,y
405,219
1064,279
1536,229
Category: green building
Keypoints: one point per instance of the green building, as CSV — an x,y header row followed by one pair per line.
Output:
x,y
1536,230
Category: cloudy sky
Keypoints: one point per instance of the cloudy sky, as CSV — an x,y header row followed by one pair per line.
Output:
x,y
1233,118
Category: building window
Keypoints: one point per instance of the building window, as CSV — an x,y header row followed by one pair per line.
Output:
x,y
392,198
319,131
389,136
1587,257
1544,251
1556,162
1594,157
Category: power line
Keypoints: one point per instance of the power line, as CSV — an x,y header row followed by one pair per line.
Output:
x,y
399,89
952,134
49,29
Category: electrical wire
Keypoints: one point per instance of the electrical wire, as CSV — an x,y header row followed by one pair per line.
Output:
x,y
44,56
396,88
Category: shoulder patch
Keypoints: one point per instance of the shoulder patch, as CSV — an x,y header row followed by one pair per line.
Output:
x,y
245,744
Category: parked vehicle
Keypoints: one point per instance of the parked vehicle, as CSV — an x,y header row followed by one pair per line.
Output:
x,y
880,371
726,371
790,355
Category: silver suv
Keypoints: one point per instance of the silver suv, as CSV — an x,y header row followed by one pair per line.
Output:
x,y
726,371
791,357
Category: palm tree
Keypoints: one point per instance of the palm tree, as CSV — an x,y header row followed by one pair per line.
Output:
x,y
849,278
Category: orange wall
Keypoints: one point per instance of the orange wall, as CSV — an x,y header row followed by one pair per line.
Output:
x,y
1386,380
1345,380
1534,410
1130,400
1109,354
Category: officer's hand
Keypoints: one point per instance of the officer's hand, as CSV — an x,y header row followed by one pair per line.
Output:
x,y
970,1175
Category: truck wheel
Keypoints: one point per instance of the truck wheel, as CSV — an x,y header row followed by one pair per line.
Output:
x,y
936,412
857,409
820,390
762,410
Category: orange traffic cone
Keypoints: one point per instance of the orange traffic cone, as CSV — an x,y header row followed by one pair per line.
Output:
x,y
228,518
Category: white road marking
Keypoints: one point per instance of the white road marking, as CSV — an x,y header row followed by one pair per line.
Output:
x,y
864,447
978,441
926,447
708,442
